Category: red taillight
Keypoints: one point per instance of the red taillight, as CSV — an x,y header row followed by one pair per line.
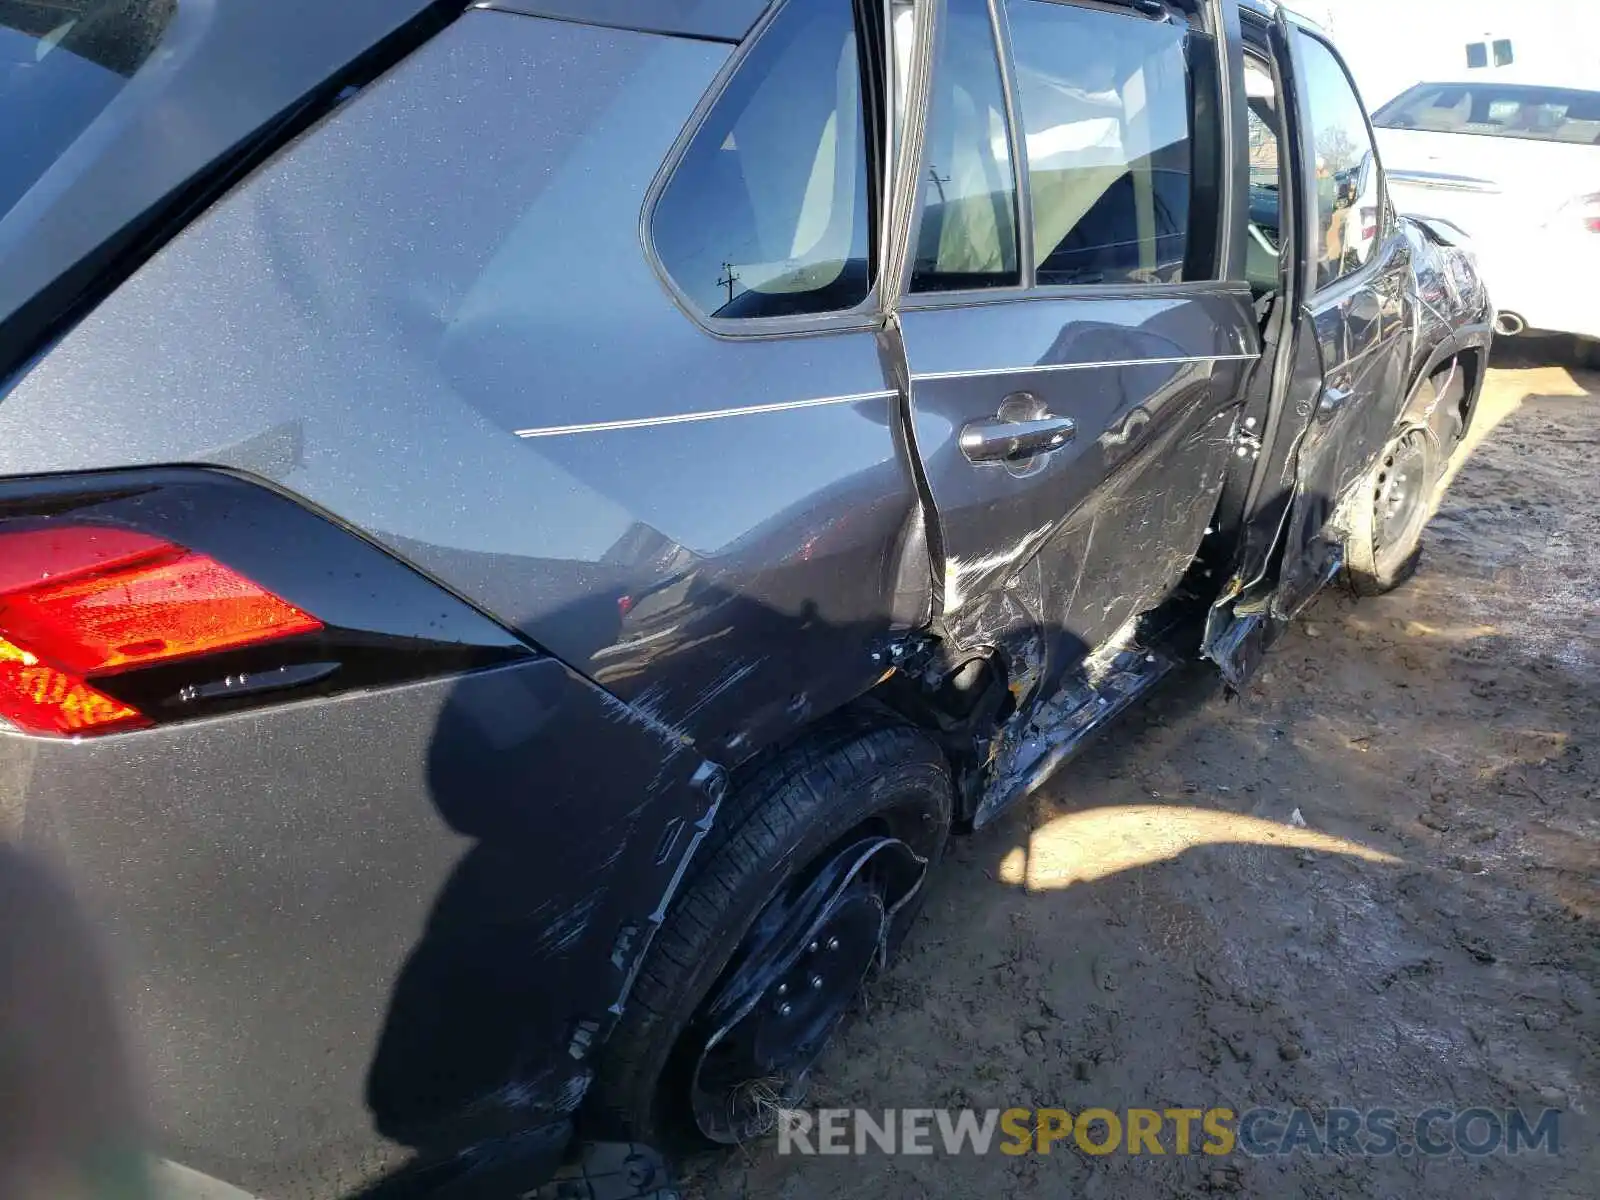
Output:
x,y
77,602
1592,224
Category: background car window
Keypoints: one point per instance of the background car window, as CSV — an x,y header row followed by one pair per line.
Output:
x,y
1106,112
767,214
1542,114
968,235
1347,185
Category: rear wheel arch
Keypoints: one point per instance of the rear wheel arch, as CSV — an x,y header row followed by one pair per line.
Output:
x,y
957,695
858,774
1456,378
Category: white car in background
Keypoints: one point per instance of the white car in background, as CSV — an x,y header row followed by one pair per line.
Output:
x,y
1517,168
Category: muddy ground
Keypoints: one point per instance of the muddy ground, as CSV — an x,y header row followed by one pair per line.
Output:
x,y
1157,933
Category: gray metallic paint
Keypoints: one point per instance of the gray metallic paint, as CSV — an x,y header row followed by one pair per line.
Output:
x,y
424,866
1047,561
372,318
432,317
367,322
224,70
1369,346
718,20
1351,369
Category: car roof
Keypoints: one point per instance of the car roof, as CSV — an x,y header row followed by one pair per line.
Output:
x,y
1271,8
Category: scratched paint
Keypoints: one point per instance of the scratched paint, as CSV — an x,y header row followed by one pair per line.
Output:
x,y
645,715
734,675
960,576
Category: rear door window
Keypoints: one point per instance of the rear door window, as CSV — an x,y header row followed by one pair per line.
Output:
x,y
766,213
1106,110
61,63
968,232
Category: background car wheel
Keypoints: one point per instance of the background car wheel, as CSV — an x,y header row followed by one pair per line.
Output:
x,y
810,877
1389,513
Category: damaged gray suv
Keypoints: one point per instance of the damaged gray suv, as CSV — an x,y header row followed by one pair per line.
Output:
x,y
524,527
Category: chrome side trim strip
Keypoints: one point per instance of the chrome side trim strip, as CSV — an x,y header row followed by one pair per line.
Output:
x,y
923,376
714,415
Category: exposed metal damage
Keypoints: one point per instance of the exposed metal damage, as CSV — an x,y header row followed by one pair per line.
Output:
x,y
1311,477
1034,744
644,714
963,579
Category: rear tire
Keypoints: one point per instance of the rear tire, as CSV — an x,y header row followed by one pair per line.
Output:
x,y
795,812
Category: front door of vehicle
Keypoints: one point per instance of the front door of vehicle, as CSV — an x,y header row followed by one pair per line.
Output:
x,y
1353,267
1073,378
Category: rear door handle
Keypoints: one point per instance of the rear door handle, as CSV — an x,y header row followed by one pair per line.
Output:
x,y
996,439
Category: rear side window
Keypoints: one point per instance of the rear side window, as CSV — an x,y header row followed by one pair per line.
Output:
x,y
1541,114
968,233
61,62
766,213
1349,192
1106,110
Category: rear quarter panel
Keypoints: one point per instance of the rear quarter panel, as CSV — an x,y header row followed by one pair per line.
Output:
x,y
434,316
378,929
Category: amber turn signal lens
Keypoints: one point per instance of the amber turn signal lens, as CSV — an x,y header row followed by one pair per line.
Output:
x,y
80,601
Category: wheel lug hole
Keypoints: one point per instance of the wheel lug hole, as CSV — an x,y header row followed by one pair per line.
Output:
x,y
816,982
783,989
833,943
785,1009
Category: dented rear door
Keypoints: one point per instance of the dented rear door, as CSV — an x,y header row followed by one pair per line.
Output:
x,y
1059,286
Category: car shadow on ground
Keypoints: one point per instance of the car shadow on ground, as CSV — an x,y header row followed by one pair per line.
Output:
x,y
1545,350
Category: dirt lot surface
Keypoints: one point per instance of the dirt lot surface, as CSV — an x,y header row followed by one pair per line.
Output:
x,y
1159,932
